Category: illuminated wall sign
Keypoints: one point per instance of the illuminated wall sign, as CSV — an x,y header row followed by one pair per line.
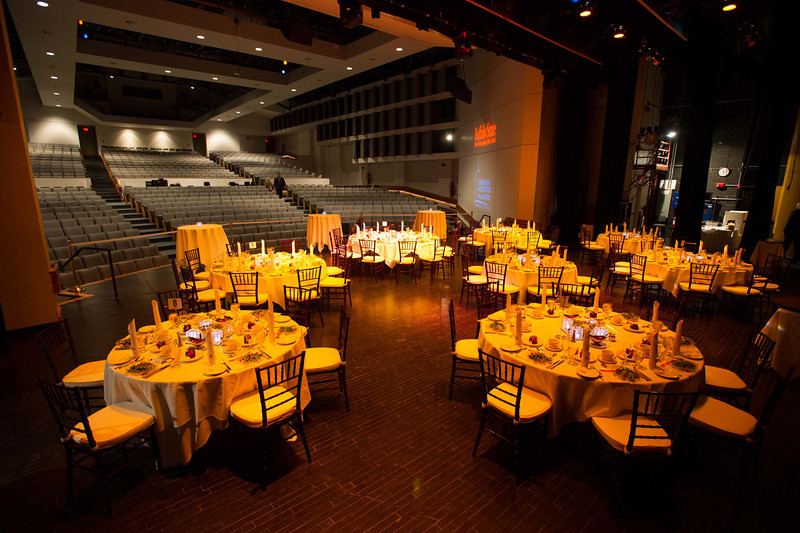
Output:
x,y
483,189
485,134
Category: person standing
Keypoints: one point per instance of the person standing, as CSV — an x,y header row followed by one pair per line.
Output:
x,y
791,234
279,185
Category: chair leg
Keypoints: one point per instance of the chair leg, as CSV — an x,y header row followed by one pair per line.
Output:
x,y
154,447
343,385
480,431
70,475
452,379
103,483
302,433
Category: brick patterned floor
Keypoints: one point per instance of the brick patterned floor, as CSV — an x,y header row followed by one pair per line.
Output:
x,y
400,460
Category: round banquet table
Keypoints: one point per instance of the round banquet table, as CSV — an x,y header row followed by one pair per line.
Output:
x,y
633,243
271,280
674,273
435,219
520,238
209,238
319,229
574,398
524,277
188,405
386,245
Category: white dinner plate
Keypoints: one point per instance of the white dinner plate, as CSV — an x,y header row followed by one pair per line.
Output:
x,y
282,318
147,329
691,353
588,373
640,330
198,355
666,373
119,357
526,341
285,340
555,314
547,347
498,315
214,370
509,345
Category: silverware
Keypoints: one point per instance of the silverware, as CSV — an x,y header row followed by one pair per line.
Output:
x,y
551,367
643,376
226,366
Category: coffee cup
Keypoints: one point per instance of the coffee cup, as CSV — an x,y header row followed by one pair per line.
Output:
x,y
553,344
616,320
607,356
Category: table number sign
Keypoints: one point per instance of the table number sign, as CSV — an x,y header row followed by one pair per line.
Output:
x,y
174,304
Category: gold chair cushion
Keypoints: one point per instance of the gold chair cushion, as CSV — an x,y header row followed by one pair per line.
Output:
x,y
722,418
247,407
533,405
114,424
322,359
616,431
89,374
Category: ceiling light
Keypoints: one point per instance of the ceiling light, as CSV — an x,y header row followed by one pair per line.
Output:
x,y
111,77
586,12
53,77
294,90
15,68
729,6
283,71
42,4
258,49
449,137
585,9
57,94
201,37
168,71
192,87
262,103
58,105
618,32
219,120
285,62
399,49
671,134
215,78
238,112
349,68
50,53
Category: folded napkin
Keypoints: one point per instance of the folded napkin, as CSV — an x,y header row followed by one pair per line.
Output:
x,y
156,314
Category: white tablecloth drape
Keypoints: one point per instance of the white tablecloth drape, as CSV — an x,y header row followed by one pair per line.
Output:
x,y
188,405
319,228
389,249
526,277
209,238
784,328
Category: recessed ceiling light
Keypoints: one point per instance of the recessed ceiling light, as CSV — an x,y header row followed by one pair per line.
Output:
x,y
168,71
58,105
399,49
53,77
111,77
42,4
258,49
219,120
294,90
50,53
215,78
57,94
192,87
15,68
201,37
349,68
729,6
262,103
238,112
585,13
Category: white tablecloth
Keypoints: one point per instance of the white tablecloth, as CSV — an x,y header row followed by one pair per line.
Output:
x,y
784,328
319,228
189,405
270,281
437,219
576,399
524,277
388,249
632,244
209,238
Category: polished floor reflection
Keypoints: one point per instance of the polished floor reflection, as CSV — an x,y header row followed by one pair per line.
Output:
x,y
400,459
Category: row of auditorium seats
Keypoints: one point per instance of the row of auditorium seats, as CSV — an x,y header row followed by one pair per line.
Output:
x,y
153,163
261,165
81,216
56,160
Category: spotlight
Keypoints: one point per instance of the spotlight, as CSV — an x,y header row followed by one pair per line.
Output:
x,y
671,134
618,32
350,13
728,6
585,9
463,50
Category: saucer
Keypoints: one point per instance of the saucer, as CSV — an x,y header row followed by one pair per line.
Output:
x,y
281,318
666,374
117,358
640,330
510,346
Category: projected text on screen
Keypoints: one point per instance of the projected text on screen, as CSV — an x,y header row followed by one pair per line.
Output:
x,y
483,189
485,134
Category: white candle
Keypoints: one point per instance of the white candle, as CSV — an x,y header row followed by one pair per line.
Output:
x,y
402,225
585,349
217,303
596,298
519,326
565,255
238,247
262,247
655,312
676,345
270,320
653,349
212,360
156,315
292,247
